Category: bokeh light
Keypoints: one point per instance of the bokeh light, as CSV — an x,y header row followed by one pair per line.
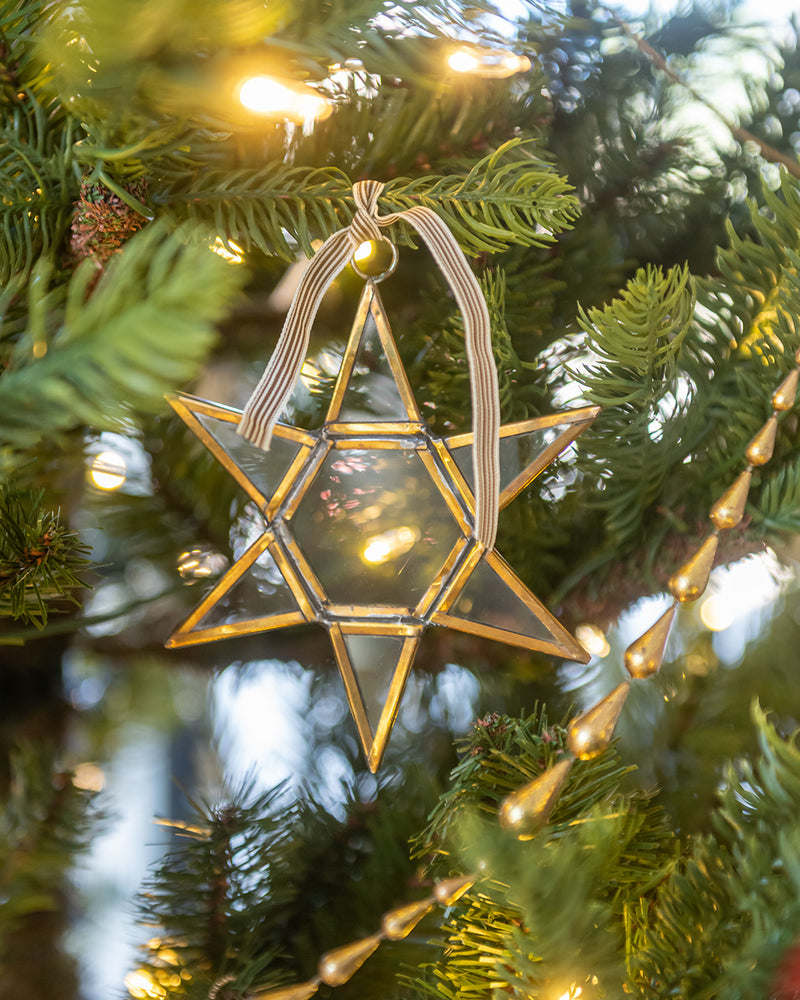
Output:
x,y
108,470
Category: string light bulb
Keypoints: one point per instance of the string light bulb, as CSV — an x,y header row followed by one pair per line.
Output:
x,y
276,98
495,64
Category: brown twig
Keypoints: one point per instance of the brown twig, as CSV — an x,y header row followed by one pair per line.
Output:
x,y
740,134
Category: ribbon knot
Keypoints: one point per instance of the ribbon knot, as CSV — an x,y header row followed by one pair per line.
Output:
x,y
276,384
366,224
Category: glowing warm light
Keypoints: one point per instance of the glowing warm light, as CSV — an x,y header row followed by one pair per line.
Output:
x,y
389,545
463,61
267,96
716,612
108,470
572,993
593,640
229,251
494,63
142,986
363,251
89,777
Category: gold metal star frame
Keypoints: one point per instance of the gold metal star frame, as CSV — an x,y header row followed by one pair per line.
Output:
x,y
365,526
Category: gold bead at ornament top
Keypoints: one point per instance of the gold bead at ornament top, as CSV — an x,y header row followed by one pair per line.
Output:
x,y
784,396
644,655
299,991
450,889
760,449
689,582
337,966
525,811
728,511
403,919
590,733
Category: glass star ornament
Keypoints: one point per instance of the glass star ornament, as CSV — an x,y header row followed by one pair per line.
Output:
x,y
366,527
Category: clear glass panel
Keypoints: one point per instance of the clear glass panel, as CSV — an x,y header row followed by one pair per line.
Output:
x,y
516,453
374,527
372,393
260,593
264,469
374,659
488,600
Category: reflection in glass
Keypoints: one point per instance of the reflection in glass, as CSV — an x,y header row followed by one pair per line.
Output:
x,y
264,469
487,599
517,452
374,527
372,393
260,593
373,659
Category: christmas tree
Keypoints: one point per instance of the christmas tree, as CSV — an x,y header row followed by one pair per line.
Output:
x,y
539,827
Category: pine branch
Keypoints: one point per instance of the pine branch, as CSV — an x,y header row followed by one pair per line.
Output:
x,y
45,822
741,135
637,341
38,184
251,893
508,198
39,558
145,329
396,130
553,906
729,913
778,507
146,81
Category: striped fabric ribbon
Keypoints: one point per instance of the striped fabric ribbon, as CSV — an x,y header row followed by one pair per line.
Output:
x,y
280,376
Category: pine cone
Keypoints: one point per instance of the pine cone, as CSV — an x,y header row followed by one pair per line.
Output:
x,y
102,222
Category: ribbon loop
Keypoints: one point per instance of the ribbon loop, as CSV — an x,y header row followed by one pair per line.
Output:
x,y
276,384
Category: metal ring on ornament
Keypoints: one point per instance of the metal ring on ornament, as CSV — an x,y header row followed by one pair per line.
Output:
x,y
383,274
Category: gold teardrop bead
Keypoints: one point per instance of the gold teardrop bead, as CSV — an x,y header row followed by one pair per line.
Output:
x,y
644,655
784,396
299,991
449,890
403,919
760,449
727,512
797,356
525,811
689,582
337,966
590,733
